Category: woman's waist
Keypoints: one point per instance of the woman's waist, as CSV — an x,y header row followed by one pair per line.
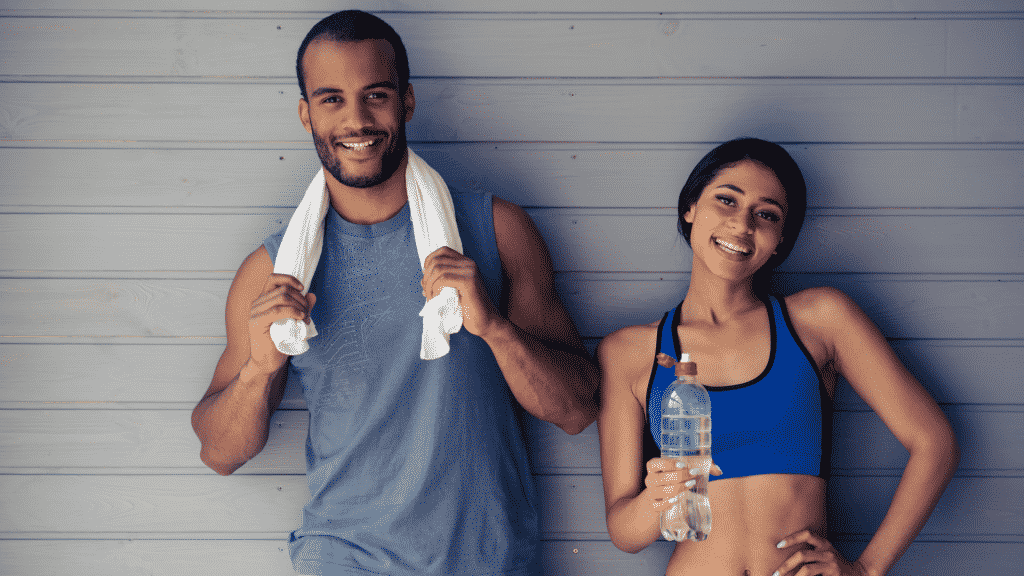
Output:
x,y
750,515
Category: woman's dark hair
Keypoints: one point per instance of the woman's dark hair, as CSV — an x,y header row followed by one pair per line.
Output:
x,y
353,26
769,155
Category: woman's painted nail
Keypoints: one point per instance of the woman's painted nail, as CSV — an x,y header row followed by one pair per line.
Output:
x,y
776,573
780,545
690,483
673,499
679,464
694,471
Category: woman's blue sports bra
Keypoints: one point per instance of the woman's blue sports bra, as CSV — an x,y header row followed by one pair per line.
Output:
x,y
778,423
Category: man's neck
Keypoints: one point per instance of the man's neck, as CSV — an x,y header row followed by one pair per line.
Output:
x,y
369,205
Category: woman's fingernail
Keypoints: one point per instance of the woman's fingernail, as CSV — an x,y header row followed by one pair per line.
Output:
x,y
694,471
679,464
673,499
780,545
776,573
690,483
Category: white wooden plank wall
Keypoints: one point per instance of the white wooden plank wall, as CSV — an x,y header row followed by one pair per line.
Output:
x,y
147,149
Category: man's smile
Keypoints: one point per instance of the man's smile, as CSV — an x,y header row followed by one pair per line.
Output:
x,y
360,144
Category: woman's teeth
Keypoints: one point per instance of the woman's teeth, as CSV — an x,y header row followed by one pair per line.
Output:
x,y
731,247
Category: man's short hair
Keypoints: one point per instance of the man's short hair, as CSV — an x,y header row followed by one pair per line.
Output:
x,y
353,26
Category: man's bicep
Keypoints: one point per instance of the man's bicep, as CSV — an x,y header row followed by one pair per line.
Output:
x,y
245,289
533,304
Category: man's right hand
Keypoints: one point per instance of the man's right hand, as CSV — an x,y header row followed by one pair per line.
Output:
x,y
281,298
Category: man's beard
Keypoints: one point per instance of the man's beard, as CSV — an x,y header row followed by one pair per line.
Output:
x,y
389,162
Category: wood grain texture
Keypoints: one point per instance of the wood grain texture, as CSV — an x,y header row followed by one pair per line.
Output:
x,y
134,441
764,8
131,141
531,45
571,507
902,306
114,375
531,110
529,174
579,240
233,557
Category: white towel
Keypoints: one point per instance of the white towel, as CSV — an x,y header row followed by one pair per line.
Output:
x,y
433,226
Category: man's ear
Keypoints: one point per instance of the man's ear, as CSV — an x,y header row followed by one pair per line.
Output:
x,y
304,115
409,102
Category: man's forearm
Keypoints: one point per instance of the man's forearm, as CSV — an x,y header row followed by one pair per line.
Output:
x,y
556,386
233,424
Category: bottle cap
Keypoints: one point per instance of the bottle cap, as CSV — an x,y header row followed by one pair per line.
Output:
x,y
686,369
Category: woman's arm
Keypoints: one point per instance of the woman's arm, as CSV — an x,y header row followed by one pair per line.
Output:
x,y
631,509
855,348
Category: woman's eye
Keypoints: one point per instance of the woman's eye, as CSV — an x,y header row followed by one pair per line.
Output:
x,y
769,216
725,200
331,100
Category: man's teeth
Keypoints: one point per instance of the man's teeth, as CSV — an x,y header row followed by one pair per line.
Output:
x,y
357,145
731,247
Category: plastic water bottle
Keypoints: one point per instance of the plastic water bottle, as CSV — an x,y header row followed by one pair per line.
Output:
x,y
686,435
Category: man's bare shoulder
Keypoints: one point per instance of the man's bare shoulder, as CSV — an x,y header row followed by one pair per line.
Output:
x,y
253,272
519,241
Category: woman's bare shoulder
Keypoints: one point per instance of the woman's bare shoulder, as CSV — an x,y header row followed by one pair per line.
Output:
x,y
822,307
630,339
821,317
626,355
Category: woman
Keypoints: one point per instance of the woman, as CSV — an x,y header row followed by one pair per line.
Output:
x,y
770,365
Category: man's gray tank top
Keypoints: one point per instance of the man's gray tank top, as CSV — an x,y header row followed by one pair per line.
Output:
x,y
414,466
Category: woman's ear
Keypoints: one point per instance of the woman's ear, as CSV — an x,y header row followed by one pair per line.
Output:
x,y
688,215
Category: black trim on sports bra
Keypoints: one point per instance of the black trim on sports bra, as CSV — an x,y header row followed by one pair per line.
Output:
x,y
827,402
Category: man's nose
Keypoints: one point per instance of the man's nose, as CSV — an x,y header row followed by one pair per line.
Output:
x,y
358,117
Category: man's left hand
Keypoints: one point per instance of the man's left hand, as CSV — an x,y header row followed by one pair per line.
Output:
x,y
446,267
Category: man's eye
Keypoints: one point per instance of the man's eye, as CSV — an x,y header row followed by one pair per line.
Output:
x,y
377,95
331,100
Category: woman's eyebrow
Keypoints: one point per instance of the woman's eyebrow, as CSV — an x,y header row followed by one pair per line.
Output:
x,y
763,198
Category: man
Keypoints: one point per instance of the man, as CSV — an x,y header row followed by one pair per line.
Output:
x,y
414,467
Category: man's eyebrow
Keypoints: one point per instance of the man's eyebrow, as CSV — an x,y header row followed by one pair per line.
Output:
x,y
330,90
325,90
763,199
384,84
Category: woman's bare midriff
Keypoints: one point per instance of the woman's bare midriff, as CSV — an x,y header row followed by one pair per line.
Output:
x,y
750,515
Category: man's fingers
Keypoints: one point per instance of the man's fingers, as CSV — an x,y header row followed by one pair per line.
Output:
x,y
275,280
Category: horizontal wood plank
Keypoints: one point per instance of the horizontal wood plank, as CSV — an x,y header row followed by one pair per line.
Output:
x,y
571,506
579,241
531,175
536,45
231,557
130,375
211,8
530,110
132,441
903,307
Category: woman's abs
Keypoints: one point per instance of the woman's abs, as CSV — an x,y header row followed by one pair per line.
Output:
x,y
750,515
